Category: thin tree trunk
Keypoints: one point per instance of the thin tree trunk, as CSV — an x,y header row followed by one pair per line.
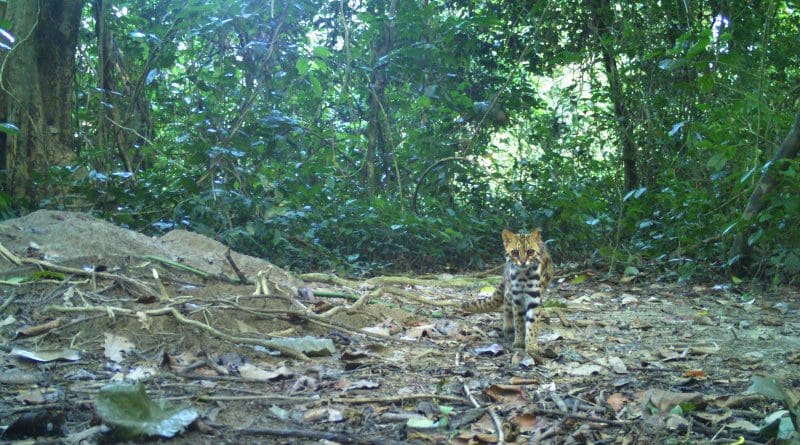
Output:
x,y
376,128
37,96
602,23
768,182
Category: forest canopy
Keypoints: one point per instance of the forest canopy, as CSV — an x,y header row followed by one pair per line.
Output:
x,y
370,135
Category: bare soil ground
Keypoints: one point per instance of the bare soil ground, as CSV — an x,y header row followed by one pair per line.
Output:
x,y
390,359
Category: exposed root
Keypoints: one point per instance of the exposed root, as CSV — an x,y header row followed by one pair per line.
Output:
x,y
111,310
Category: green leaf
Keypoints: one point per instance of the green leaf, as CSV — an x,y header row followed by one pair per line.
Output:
x,y
316,86
579,279
728,229
753,239
717,162
630,271
446,410
302,66
705,83
279,412
698,47
9,128
420,422
424,101
130,413
308,345
767,387
322,52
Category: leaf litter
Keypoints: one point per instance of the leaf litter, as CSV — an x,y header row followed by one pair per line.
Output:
x,y
385,360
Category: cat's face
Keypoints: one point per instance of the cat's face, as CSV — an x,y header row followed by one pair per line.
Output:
x,y
523,249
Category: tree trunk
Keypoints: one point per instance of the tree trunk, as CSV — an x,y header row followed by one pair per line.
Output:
x,y
37,96
602,22
125,125
789,149
376,127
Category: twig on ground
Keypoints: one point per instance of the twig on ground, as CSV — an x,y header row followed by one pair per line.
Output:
x,y
413,297
290,352
364,299
328,278
242,278
176,265
311,318
345,400
308,434
139,285
8,300
564,414
498,425
327,293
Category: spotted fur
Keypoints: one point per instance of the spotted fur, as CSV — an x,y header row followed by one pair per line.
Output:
x,y
527,272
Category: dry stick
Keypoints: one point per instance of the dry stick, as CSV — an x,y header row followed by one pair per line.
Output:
x,y
312,318
176,265
242,278
562,414
9,256
492,413
413,297
346,400
349,309
327,293
308,434
409,281
9,299
143,287
328,278
291,352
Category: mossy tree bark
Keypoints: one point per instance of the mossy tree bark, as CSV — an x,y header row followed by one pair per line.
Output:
x,y
37,96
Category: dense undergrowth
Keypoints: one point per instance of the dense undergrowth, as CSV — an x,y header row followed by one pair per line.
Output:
x,y
679,231
364,137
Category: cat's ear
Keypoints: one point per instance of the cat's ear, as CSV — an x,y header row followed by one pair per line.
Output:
x,y
536,234
507,236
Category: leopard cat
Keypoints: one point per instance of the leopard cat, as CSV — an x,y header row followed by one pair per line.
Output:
x,y
528,270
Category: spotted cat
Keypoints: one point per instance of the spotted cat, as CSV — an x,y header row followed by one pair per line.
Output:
x,y
528,270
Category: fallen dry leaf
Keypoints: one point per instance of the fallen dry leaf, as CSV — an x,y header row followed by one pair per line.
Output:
x,y
492,350
245,328
30,331
249,371
46,355
425,330
615,363
666,400
515,380
525,422
116,346
361,384
586,369
695,373
378,330
35,396
323,415
510,395
617,401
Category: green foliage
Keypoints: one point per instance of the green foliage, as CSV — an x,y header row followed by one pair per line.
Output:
x,y
299,131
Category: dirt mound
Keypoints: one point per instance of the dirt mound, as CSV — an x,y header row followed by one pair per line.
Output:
x,y
69,238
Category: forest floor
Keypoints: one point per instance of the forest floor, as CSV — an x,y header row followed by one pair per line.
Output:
x,y
321,359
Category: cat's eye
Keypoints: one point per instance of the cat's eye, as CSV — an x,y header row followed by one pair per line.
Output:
x,y
515,253
530,252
